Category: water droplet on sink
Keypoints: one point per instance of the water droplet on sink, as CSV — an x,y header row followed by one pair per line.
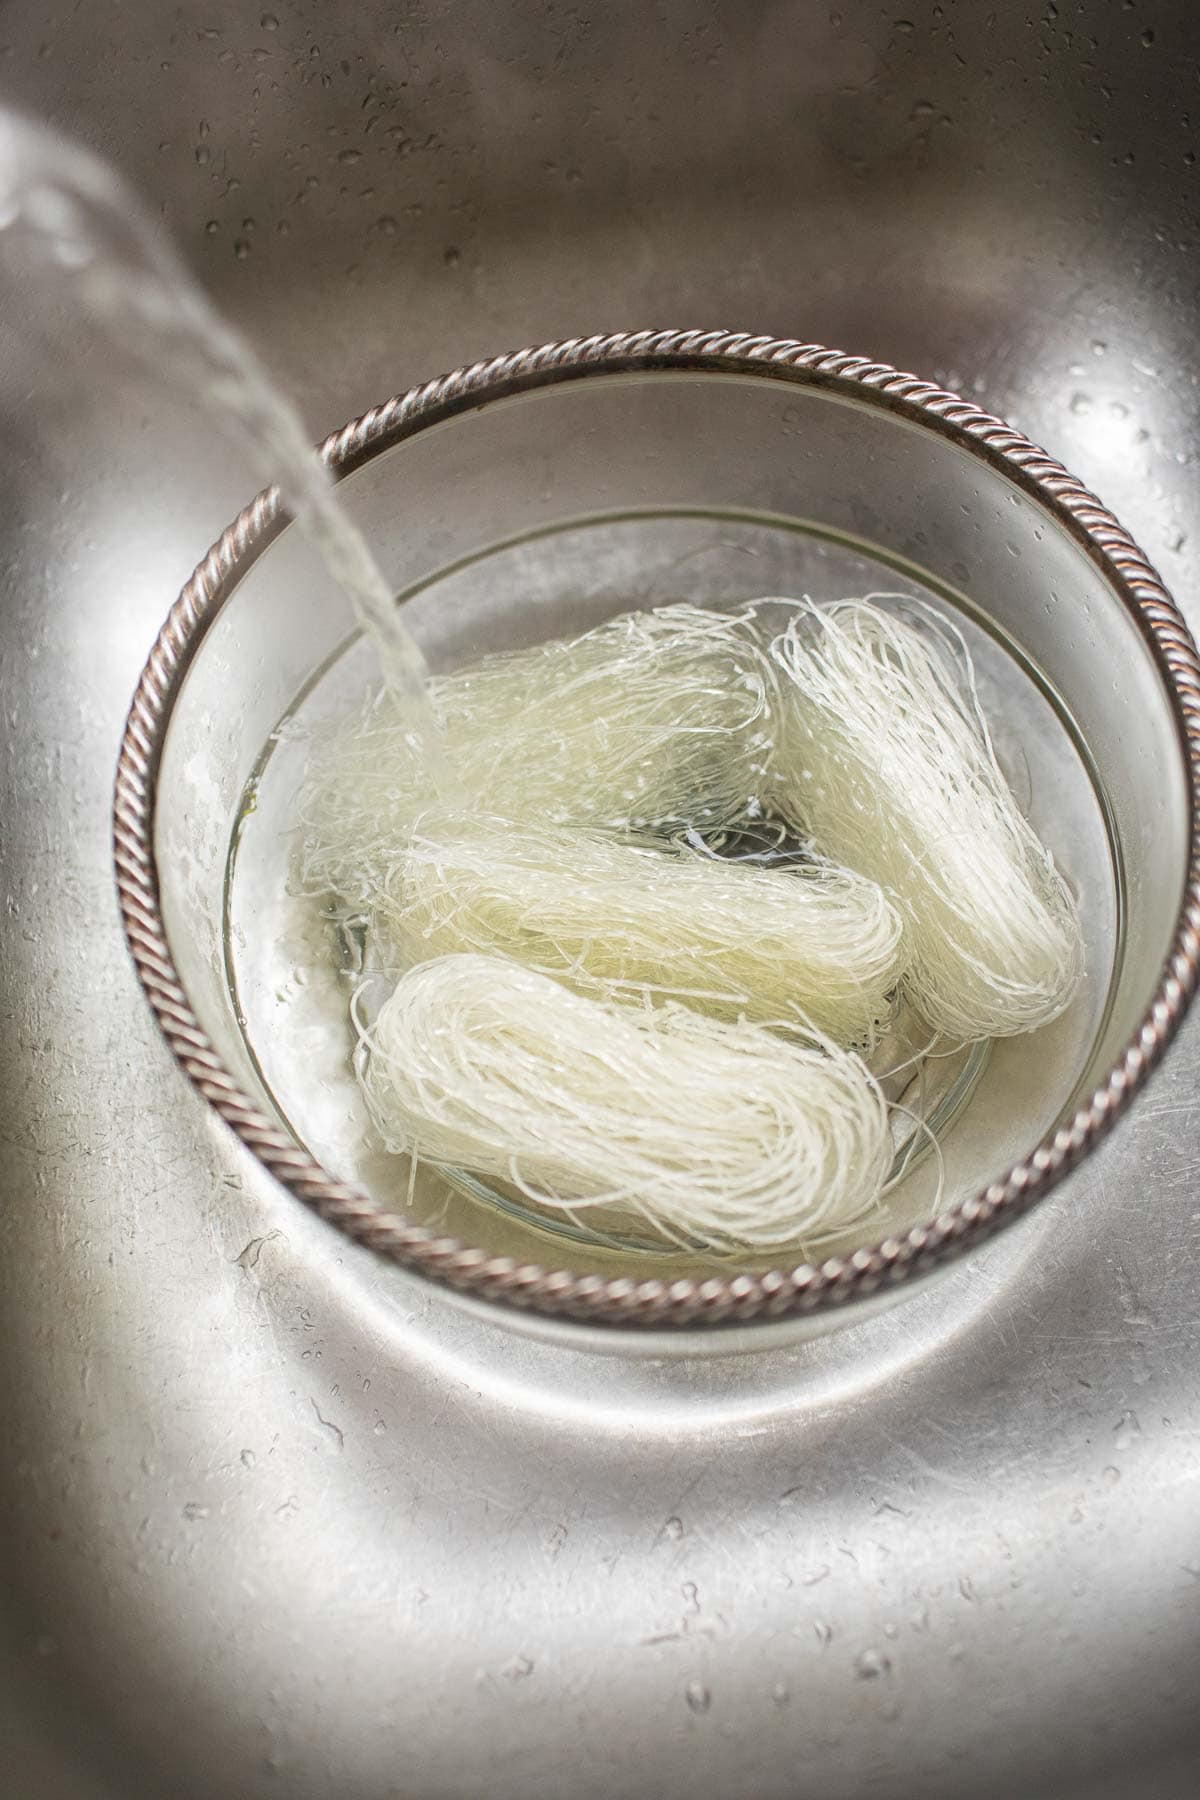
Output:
x,y
1081,403
1126,1430
269,22
698,1697
869,1665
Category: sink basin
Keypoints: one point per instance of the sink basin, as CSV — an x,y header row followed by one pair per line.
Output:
x,y
275,1518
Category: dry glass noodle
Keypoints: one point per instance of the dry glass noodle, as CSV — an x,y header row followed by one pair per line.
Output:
x,y
592,1007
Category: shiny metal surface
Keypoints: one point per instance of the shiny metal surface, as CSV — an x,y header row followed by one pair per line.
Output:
x,y
952,1550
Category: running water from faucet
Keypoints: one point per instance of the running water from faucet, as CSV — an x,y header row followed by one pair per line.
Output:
x,y
82,222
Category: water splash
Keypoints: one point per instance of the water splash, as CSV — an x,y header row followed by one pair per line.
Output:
x,y
80,222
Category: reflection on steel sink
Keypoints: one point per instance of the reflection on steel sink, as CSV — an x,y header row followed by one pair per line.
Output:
x,y
277,1521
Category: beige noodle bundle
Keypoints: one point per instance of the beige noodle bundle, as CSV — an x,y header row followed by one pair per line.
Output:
x,y
714,1133
814,946
885,759
654,721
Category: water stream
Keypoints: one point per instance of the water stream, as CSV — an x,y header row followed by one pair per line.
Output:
x,y
76,218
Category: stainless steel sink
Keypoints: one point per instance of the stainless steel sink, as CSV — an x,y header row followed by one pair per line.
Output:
x,y
276,1520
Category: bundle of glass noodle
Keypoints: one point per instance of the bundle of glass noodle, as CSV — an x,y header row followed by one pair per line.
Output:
x,y
816,946
715,1133
654,721
886,760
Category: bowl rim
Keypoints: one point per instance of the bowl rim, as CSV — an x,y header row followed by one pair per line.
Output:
x,y
697,1302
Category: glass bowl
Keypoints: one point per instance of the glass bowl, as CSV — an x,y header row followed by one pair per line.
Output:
x,y
531,497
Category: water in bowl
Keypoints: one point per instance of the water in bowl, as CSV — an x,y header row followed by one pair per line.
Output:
x,y
290,971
